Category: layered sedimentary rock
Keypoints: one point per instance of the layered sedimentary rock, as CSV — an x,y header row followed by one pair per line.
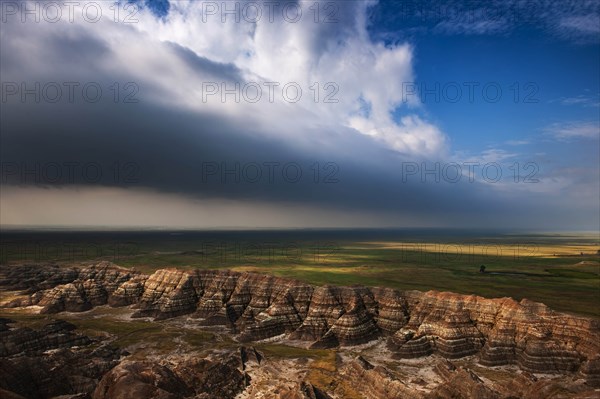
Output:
x,y
129,292
62,372
54,335
32,278
55,360
375,381
167,293
415,324
446,380
141,380
337,315
200,378
460,382
309,391
59,289
50,361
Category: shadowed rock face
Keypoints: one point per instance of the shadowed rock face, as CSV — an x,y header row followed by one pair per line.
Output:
x,y
50,361
57,334
33,278
498,331
56,361
200,378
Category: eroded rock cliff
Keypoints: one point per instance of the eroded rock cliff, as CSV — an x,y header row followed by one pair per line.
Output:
x,y
255,307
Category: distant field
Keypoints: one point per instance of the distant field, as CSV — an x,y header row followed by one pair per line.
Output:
x,y
562,271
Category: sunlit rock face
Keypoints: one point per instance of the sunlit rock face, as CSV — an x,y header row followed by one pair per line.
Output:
x,y
255,307
167,293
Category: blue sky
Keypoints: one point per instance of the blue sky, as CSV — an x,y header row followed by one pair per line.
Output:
x,y
176,52
555,69
557,75
159,8
549,75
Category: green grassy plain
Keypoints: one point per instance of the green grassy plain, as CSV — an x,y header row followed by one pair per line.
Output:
x,y
560,270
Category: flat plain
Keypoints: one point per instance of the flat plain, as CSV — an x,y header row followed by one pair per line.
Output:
x,y
561,270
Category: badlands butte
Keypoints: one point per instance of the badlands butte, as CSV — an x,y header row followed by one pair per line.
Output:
x,y
101,331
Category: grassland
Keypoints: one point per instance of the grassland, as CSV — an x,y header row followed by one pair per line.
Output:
x,y
560,270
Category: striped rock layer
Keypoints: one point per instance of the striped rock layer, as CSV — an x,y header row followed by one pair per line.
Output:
x,y
256,307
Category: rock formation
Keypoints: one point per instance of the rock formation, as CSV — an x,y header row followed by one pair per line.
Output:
x,y
200,378
54,335
50,361
255,307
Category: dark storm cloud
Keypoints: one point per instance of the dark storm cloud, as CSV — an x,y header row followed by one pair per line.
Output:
x,y
173,151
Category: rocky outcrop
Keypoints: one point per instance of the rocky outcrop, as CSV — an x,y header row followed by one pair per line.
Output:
x,y
309,391
65,289
415,324
460,382
50,361
54,360
61,372
129,292
167,293
375,381
199,378
141,380
32,278
54,335
450,381
338,315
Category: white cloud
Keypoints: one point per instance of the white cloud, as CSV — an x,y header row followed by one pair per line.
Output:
x,y
582,23
575,20
575,130
466,24
305,54
517,142
585,101
492,155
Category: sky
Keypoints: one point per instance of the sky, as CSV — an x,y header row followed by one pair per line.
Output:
x,y
251,114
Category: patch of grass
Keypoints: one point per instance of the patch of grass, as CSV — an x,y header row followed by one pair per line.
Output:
x,y
198,339
570,273
31,320
126,333
291,352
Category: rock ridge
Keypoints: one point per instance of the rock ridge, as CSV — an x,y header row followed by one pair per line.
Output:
x,y
254,307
